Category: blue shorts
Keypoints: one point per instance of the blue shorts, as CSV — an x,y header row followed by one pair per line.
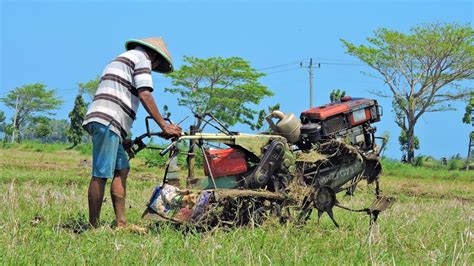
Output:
x,y
108,154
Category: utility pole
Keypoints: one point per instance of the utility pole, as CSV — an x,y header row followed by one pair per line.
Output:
x,y
14,120
311,83
310,68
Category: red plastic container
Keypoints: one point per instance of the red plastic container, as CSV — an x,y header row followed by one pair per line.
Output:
x,y
225,162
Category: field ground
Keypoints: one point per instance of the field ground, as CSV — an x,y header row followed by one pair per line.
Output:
x,y
43,199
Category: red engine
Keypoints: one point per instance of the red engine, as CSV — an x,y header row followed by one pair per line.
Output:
x,y
349,117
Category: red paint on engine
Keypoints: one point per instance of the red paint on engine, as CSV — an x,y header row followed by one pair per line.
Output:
x,y
326,111
225,162
346,106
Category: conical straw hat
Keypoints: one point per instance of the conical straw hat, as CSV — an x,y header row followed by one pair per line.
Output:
x,y
158,45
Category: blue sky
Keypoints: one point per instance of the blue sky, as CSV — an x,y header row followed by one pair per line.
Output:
x,y
63,43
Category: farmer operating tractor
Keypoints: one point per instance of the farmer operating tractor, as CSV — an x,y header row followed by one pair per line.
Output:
x,y
298,166
125,82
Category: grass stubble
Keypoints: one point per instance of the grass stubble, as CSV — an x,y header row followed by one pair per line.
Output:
x,y
43,214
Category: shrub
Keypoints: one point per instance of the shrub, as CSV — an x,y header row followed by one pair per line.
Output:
x,y
419,161
152,158
456,164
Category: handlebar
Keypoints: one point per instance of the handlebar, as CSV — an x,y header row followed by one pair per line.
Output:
x,y
138,144
147,124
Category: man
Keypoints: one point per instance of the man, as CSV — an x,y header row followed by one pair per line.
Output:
x,y
125,82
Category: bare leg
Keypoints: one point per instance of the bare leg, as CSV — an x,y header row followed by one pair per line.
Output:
x,y
118,191
95,198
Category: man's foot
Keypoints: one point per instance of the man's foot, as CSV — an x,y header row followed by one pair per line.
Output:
x,y
132,228
119,223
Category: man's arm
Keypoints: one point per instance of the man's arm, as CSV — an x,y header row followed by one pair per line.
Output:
x,y
148,102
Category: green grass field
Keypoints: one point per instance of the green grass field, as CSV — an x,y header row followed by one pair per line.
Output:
x,y
43,199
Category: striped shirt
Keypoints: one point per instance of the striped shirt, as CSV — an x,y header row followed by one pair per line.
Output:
x,y
116,100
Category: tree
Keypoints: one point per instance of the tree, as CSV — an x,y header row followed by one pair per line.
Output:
x,y
58,130
262,114
46,130
37,128
422,69
5,128
2,117
7,131
33,100
166,112
42,128
403,140
336,95
90,87
226,87
76,116
3,125
385,141
467,118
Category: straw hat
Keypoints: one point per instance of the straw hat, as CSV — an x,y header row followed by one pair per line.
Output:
x,y
158,45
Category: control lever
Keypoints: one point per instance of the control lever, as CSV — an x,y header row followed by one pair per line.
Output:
x,y
167,149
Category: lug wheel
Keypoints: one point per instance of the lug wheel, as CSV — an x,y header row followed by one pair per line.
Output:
x,y
324,201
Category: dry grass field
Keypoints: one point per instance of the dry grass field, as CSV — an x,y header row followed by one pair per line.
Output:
x,y
43,204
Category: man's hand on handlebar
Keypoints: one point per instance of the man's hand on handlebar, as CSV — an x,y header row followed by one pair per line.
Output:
x,y
170,131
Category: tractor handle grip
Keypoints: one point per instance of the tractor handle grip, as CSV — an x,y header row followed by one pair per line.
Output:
x,y
148,132
148,125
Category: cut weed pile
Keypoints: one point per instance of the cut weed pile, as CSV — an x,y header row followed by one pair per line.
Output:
x,y
43,220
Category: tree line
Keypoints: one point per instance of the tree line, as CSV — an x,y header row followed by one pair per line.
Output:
x,y
423,70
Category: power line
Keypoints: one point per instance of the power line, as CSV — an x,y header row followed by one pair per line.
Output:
x,y
337,60
319,63
284,70
342,64
331,62
282,65
277,66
